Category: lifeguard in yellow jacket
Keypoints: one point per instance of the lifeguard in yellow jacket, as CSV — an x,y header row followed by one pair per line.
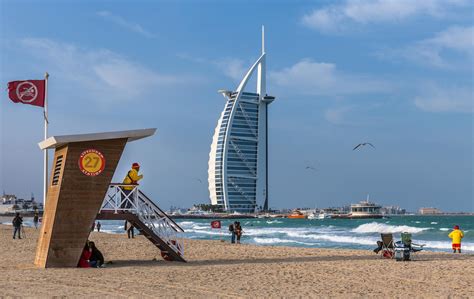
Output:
x,y
456,235
131,178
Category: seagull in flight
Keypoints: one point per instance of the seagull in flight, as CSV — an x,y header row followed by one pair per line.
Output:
x,y
199,180
363,144
310,167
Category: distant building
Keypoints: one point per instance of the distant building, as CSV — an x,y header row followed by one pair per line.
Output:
x,y
8,198
430,211
392,210
238,161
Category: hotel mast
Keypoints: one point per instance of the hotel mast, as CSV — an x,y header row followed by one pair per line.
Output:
x,y
238,161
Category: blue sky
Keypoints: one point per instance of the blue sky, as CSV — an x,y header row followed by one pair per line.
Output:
x,y
398,74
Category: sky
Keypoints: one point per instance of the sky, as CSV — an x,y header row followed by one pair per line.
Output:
x,y
397,74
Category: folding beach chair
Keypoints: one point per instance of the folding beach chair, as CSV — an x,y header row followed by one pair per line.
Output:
x,y
407,242
388,248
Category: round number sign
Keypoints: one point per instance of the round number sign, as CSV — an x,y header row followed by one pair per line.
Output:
x,y
91,162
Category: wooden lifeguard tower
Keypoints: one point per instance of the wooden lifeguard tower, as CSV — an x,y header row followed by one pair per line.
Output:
x,y
78,191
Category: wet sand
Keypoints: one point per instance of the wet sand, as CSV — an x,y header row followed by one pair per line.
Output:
x,y
221,270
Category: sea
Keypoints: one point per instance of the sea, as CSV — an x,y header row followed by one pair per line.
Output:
x,y
328,233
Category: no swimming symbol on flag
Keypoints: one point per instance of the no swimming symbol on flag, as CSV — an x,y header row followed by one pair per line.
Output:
x,y
31,92
215,224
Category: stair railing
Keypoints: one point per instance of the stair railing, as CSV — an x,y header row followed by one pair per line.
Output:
x,y
136,202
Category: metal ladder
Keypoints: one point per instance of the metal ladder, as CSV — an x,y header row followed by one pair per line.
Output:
x,y
146,216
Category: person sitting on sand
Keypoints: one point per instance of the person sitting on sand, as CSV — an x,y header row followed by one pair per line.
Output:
x,y
456,235
17,223
96,259
85,257
238,231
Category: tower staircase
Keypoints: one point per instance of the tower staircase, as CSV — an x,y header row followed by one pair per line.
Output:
x,y
138,209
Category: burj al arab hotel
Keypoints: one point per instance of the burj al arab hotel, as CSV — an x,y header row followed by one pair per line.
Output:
x,y
238,161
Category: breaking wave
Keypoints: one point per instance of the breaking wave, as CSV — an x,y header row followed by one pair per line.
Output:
x,y
375,227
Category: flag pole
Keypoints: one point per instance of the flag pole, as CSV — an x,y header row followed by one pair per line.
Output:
x,y
45,153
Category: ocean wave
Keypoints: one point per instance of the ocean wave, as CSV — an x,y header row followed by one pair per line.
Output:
x,y
434,222
273,221
375,227
185,223
335,238
445,245
444,229
278,240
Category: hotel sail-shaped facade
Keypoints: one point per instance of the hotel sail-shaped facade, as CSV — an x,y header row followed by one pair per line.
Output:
x,y
238,161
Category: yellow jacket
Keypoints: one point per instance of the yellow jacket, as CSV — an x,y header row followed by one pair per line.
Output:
x,y
132,177
456,235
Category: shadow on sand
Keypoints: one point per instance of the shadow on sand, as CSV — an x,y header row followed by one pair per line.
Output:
x,y
302,259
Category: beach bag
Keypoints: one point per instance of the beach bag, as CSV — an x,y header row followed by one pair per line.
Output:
x,y
387,254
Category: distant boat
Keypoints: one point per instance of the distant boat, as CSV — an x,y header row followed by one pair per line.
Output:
x,y
296,214
365,209
321,215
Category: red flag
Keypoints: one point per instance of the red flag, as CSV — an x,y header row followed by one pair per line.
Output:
x,y
29,92
216,224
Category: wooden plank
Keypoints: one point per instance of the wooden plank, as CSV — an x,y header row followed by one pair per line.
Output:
x,y
73,203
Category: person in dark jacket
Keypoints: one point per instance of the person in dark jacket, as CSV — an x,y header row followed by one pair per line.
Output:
x,y
97,259
36,219
17,223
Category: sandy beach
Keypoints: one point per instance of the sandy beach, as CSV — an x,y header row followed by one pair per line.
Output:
x,y
219,269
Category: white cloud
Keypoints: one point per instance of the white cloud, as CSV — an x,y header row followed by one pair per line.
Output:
x,y
452,99
118,20
336,18
105,74
338,116
233,68
320,78
438,51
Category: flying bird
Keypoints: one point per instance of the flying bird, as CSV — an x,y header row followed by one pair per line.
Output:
x,y
363,144
200,181
310,167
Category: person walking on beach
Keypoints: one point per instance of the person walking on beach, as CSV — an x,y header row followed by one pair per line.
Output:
x,y
17,223
36,219
98,226
456,235
129,228
131,178
232,231
238,231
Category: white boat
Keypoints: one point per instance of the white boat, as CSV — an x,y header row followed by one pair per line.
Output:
x,y
365,209
321,215
324,215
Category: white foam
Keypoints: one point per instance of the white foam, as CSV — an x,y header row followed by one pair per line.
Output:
x,y
445,245
434,222
277,241
335,238
375,227
184,223
273,221
444,229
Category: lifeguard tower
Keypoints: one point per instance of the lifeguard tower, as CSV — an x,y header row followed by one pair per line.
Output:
x,y
80,191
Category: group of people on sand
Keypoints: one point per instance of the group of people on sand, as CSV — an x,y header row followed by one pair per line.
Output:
x,y
91,257
236,232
